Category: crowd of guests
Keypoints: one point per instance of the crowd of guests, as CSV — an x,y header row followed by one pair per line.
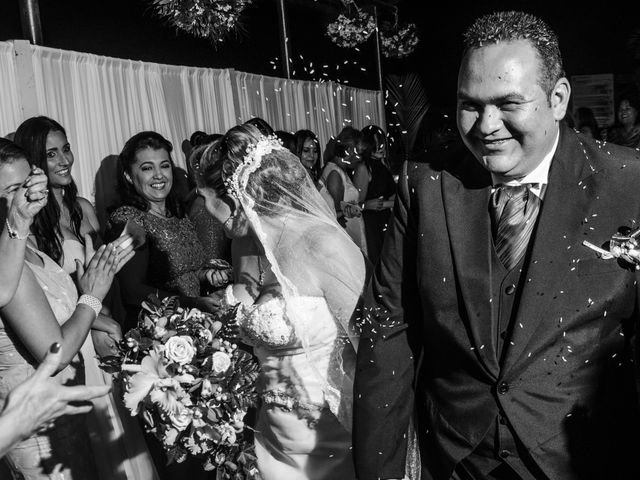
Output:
x,y
626,129
70,281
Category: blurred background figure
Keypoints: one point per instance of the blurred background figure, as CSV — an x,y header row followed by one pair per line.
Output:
x,y
307,149
586,123
380,192
209,230
626,131
345,195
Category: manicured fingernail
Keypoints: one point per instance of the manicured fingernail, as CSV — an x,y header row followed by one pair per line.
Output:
x,y
55,347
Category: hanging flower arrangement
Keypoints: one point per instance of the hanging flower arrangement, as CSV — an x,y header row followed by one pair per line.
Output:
x,y
349,31
399,42
214,20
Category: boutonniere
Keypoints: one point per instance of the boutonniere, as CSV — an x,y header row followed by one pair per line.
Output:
x,y
623,245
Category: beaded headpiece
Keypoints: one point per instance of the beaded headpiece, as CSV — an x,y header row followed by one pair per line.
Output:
x,y
237,182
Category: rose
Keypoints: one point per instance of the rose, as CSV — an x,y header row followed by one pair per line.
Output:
x,y
179,349
220,362
181,420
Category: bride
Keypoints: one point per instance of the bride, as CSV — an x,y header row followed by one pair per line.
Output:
x,y
299,279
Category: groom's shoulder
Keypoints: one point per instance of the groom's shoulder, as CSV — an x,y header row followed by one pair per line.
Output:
x,y
608,156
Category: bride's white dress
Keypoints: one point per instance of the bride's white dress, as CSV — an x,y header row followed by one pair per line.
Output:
x,y
297,436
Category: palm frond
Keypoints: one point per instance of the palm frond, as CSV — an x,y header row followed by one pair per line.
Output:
x,y
408,99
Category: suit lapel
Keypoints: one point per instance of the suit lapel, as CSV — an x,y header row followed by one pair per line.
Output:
x,y
559,225
466,192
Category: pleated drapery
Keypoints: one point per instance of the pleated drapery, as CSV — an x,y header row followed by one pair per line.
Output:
x,y
103,101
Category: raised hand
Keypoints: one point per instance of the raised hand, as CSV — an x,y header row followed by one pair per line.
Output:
x,y
96,278
40,399
29,199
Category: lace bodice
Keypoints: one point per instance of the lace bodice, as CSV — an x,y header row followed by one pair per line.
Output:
x,y
292,376
269,326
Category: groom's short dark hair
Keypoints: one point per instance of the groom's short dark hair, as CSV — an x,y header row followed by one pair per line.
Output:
x,y
510,26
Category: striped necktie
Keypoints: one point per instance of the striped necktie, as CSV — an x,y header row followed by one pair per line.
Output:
x,y
514,211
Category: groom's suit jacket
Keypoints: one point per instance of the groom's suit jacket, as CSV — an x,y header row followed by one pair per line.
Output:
x,y
565,379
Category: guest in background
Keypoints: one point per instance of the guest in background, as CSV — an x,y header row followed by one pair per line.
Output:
x,y
307,149
586,123
626,132
172,260
209,230
61,226
380,192
335,176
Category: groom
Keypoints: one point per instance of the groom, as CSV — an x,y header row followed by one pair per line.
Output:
x,y
505,338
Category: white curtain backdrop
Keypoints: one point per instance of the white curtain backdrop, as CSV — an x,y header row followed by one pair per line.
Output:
x,y
10,113
291,105
102,101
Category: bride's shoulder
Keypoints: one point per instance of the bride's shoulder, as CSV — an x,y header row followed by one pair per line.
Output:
x,y
321,236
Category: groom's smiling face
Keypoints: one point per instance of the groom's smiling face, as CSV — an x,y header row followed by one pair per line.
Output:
x,y
504,116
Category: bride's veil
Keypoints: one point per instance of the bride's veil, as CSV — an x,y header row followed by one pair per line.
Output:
x,y
309,252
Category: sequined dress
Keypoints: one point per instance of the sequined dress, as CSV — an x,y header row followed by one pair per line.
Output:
x,y
297,436
62,452
175,253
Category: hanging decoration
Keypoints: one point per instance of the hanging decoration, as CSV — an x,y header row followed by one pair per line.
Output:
x,y
214,20
350,30
398,41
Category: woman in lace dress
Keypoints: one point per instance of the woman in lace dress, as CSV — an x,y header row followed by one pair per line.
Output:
x,y
298,293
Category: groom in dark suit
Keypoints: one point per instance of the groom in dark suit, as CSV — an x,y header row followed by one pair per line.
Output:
x,y
505,338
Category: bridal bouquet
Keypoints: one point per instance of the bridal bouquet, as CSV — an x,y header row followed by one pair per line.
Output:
x,y
192,386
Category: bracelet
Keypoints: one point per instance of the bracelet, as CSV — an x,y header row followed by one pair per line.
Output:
x,y
91,302
12,233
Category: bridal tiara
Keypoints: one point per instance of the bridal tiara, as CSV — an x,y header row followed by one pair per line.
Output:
x,y
237,182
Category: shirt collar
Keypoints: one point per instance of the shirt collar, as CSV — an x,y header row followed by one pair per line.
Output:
x,y
539,176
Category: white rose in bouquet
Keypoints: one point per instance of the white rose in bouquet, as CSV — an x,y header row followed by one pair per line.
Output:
x,y
179,349
220,362
181,420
